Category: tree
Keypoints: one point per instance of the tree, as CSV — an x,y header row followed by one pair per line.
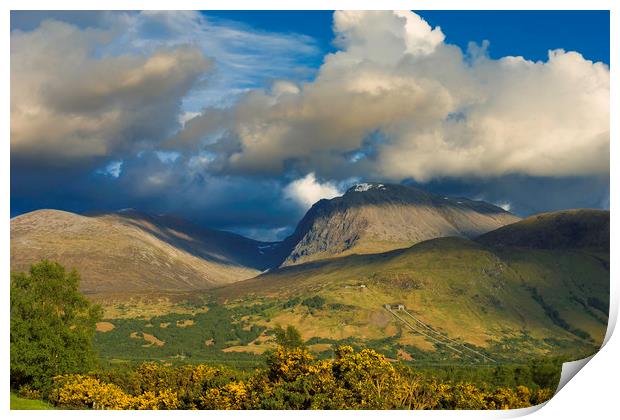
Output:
x,y
546,373
52,326
288,338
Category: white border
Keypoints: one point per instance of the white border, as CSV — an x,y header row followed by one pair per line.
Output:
x,y
592,394
309,5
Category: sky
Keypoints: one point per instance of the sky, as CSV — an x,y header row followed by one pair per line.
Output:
x,y
242,120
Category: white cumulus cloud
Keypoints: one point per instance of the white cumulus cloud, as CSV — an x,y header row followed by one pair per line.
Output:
x,y
398,102
505,205
70,101
98,85
308,190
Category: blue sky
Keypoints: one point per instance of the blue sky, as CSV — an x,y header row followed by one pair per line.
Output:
x,y
239,119
528,33
518,32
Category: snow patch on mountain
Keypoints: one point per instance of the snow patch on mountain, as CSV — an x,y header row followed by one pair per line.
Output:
x,y
366,186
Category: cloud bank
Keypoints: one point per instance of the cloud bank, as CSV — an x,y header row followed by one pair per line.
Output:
x,y
126,81
398,102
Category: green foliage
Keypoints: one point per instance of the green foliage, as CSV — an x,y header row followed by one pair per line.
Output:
x,y
52,325
536,374
291,303
545,374
288,338
293,379
315,302
203,341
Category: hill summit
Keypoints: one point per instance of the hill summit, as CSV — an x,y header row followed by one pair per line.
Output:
x,y
130,251
376,217
566,229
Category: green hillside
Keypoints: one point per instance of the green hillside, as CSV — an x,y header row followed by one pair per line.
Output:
x,y
465,301
567,229
542,300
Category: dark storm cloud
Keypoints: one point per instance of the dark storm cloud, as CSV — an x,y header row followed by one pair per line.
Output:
x,y
249,205
27,20
526,195
95,93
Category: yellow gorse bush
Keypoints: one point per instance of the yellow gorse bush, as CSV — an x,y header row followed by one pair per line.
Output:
x,y
293,379
230,397
163,400
79,391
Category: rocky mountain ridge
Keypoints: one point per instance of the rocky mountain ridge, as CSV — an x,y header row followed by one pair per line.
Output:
x,y
374,217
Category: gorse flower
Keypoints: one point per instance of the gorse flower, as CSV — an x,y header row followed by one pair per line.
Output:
x,y
293,379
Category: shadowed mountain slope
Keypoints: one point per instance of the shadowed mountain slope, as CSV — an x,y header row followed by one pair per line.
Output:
x,y
581,228
132,251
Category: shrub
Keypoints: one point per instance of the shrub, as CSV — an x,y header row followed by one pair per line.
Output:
x,y
189,382
81,392
29,392
161,400
288,364
289,338
232,396
293,379
370,379
316,302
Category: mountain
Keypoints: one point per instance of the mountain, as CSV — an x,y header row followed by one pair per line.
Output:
x,y
371,218
582,228
506,292
129,251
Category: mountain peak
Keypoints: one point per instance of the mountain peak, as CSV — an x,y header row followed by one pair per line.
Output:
x,y
375,217
366,186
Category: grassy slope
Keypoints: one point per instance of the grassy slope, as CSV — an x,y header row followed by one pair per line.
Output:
x,y
18,403
459,287
122,254
510,301
199,334
464,290
566,229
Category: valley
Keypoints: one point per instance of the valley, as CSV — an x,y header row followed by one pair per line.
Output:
x,y
422,279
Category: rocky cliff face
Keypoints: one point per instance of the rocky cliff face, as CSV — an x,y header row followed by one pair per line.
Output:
x,y
372,218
